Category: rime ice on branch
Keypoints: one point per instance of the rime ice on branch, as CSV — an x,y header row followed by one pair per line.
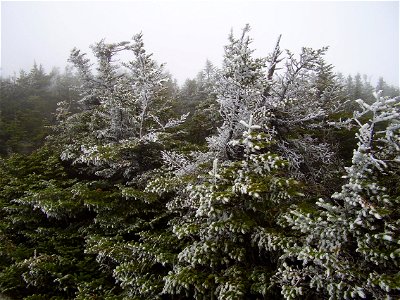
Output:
x,y
362,218
122,106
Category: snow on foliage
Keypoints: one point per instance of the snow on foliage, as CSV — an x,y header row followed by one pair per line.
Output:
x,y
297,97
362,218
226,210
122,107
240,87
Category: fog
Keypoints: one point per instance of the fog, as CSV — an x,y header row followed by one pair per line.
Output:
x,y
363,36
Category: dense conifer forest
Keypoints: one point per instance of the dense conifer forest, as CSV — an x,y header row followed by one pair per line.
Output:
x,y
265,178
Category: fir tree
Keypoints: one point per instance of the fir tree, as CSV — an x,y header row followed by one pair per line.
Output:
x,y
117,136
119,110
349,247
228,224
239,90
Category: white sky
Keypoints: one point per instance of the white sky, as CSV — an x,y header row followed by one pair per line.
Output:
x,y
363,36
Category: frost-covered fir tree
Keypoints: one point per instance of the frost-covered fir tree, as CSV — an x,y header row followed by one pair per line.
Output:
x,y
239,90
104,95
228,224
102,117
301,99
117,136
295,99
349,247
147,79
122,106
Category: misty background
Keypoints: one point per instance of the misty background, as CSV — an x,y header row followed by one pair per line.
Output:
x,y
363,36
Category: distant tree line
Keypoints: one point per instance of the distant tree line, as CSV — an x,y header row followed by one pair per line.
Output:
x,y
27,107
266,178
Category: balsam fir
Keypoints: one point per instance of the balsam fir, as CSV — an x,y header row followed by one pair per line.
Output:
x,y
349,247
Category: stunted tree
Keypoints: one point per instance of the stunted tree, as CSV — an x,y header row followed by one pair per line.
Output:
x,y
302,98
206,79
226,215
295,99
349,247
147,79
115,138
239,90
121,107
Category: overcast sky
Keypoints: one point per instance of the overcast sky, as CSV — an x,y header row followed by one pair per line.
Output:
x,y
363,36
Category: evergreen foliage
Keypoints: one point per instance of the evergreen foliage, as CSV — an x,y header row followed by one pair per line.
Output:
x,y
42,229
349,244
229,224
115,183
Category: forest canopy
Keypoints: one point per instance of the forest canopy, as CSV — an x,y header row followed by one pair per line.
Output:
x,y
265,178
